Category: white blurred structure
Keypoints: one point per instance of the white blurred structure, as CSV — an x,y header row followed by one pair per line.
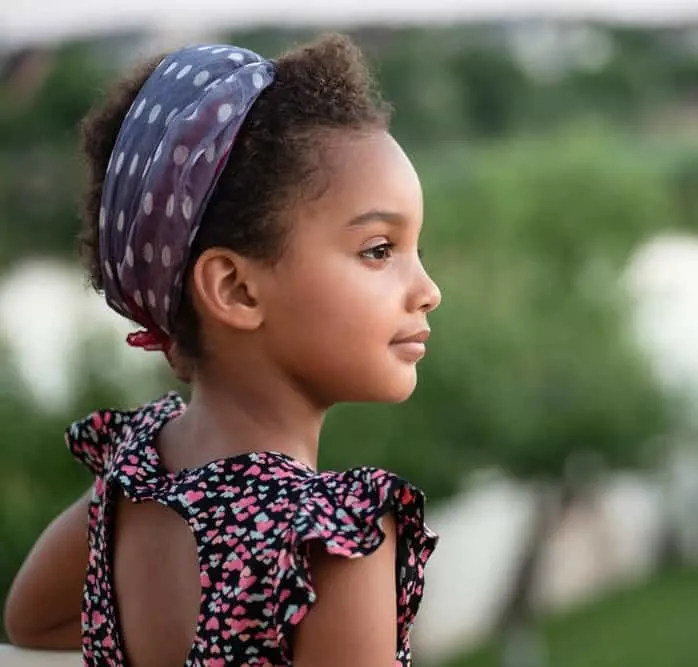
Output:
x,y
12,657
613,540
662,279
51,322
46,20
481,535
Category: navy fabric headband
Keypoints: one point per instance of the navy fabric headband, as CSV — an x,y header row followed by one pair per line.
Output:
x,y
168,156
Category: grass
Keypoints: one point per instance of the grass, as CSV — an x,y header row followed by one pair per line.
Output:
x,y
652,626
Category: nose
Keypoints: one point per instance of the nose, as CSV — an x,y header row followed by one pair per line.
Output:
x,y
427,295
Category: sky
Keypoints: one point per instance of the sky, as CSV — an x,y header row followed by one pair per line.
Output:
x,y
47,20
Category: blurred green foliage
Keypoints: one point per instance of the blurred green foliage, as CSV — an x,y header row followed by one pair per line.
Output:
x,y
537,190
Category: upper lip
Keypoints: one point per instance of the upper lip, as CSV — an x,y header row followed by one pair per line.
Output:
x,y
419,337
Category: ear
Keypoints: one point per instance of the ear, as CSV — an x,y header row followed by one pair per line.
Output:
x,y
224,286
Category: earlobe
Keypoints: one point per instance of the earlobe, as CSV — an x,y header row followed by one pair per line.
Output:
x,y
224,286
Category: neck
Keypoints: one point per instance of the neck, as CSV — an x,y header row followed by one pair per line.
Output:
x,y
226,418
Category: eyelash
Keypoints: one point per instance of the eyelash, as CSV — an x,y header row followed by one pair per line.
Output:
x,y
387,246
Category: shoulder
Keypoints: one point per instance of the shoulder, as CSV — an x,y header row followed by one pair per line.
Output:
x,y
360,532
354,619
345,509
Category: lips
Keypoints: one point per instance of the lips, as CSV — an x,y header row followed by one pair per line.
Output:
x,y
411,348
419,337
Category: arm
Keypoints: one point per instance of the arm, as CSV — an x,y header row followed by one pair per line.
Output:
x,y
42,610
353,622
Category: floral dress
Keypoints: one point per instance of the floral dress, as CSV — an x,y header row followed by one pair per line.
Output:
x,y
252,517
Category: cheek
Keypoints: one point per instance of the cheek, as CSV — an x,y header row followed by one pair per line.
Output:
x,y
332,329
354,300
337,305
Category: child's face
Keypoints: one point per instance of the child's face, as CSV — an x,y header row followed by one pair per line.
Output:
x,y
351,283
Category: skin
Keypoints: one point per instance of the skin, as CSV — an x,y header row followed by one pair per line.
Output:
x,y
282,343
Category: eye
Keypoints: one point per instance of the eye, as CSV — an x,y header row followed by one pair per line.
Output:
x,y
379,252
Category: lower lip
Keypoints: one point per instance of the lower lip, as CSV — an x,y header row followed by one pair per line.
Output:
x,y
410,351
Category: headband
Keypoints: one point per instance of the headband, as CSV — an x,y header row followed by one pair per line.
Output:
x,y
169,153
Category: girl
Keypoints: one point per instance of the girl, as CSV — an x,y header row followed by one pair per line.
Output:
x,y
261,225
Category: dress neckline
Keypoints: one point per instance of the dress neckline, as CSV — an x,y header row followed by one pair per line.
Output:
x,y
138,447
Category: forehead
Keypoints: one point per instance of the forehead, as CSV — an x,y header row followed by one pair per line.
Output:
x,y
366,171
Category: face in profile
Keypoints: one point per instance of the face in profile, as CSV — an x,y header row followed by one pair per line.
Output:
x,y
345,309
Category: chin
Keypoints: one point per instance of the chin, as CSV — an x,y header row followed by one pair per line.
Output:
x,y
374,383
397,391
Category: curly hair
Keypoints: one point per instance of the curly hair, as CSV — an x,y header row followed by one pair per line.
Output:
x,y
325,85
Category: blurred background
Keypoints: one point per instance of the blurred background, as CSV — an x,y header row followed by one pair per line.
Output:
x,y
554,429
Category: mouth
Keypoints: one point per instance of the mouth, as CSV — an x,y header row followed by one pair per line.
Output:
x,y
419,337
413,347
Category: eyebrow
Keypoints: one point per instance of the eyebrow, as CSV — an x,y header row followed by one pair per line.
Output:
x,y
377,215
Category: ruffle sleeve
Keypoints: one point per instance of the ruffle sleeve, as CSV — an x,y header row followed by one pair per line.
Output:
x,y
91,440
344,511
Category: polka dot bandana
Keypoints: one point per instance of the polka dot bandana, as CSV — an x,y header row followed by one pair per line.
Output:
x,y
170,151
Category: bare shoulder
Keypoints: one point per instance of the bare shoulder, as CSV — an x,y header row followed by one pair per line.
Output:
x,y
354,620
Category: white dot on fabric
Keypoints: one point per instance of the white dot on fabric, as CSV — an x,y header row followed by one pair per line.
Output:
x,y
184,71
257,80
171,115
218,50
119,162
204,48
211,153
225,111
236,56
107,268
169,207
187,205
201,78
148,252
139,108
166,257
158,152
120,222
148,203
129,255
180,155
102,217
170,68
151,298
134,164
154,113
138,298
166,303
231,78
